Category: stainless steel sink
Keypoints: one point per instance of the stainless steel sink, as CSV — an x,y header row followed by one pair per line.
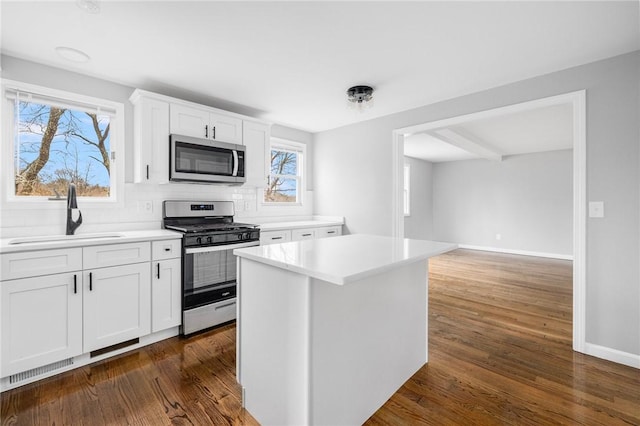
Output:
x,y
59,238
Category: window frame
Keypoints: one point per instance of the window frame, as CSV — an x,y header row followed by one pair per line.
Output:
x,y
279,144
116,146
406,189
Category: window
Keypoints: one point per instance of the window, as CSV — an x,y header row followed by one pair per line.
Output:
x,y
407,190
285,173
59,138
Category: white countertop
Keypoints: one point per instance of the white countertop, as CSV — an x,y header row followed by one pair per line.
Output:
x,y
347,258
19,244
297,224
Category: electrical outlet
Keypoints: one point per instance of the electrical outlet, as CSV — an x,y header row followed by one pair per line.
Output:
x,y
239,206
596,209
145,206
498,237
247,205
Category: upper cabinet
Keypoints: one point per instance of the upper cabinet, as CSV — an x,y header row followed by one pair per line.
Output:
x,y
256,141
202,123
157,116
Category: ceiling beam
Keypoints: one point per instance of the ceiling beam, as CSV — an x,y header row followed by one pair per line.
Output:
x,y
468,143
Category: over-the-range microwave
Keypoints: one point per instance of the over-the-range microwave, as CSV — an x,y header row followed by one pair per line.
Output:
x,y
205,161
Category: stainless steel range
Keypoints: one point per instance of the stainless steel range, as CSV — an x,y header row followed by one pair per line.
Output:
x,y
208,263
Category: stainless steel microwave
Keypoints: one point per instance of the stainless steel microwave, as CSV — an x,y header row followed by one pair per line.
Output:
x,y
205,161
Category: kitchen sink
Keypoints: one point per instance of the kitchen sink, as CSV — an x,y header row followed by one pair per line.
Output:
x,y
58,238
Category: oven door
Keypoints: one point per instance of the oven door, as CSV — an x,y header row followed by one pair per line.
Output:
x,y
209,274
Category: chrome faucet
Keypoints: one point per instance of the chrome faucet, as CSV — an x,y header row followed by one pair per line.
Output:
x,y
72,203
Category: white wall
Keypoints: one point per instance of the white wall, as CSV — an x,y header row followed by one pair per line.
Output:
x,y
419,224
527,199
353,167
29,221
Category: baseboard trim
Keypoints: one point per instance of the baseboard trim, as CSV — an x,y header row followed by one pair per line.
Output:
x,y
612,355
520,252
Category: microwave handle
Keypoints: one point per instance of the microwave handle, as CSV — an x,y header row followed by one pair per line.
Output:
x,y
235,163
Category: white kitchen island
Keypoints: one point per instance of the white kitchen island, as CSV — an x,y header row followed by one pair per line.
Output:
x,y
329,329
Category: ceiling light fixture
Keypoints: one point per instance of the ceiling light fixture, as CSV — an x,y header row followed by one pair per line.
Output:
x,y
89,6
360,97
71,54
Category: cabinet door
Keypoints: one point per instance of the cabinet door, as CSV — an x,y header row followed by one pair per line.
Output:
x,y
41,321
189,121
117,305
225,128
151,141
166,308
256,140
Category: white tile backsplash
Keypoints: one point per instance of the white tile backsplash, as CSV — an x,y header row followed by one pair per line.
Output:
x,y
131,214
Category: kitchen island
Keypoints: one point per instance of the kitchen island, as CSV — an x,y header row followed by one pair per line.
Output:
x,y
329,329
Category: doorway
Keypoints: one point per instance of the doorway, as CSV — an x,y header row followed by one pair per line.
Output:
x,y
577,102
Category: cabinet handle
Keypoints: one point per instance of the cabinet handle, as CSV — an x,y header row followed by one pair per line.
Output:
x,y
306,235
167,249
75,284
158,273
214,132
276,238
147,172
331,232
206,131
90,281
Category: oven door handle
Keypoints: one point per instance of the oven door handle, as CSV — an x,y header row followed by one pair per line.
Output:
x,y
220,248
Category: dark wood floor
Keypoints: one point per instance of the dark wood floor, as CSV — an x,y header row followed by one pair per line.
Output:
x,y
499,353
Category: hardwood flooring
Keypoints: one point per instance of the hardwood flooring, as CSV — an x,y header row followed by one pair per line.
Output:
x,y
499,353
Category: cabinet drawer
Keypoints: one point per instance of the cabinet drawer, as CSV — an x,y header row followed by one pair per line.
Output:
x,y
116,254
273,237
168,249
329,231
40,262
303,234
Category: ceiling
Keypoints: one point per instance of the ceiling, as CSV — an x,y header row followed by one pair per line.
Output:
x,y
291,62
541,129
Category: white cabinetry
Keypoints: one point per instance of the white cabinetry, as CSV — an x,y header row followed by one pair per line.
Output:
x,y
303,234
117,305
203,123
166,284
151,138
297,234
41,321
274,237
256,137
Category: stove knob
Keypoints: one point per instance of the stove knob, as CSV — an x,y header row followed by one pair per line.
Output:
x,y
209,240
199,240
239,236
247,236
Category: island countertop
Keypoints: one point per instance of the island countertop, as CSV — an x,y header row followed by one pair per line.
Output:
x,y
344,259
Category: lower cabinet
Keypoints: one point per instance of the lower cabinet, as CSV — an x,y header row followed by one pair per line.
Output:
x,y
41,321
67,311
166,282
297,234
117,305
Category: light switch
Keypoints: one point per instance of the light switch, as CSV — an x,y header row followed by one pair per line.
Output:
x,y
596,209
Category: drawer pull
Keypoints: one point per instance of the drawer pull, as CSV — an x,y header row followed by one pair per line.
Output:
x,y
167,249
331,232
225,305
306,235
276,238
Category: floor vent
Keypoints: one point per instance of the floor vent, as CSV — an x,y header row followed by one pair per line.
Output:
x,y
25,375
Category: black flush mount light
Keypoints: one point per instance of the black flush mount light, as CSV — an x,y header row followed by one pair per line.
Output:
x,y
360,97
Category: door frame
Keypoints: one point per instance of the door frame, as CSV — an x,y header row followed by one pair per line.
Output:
x,y
577,100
